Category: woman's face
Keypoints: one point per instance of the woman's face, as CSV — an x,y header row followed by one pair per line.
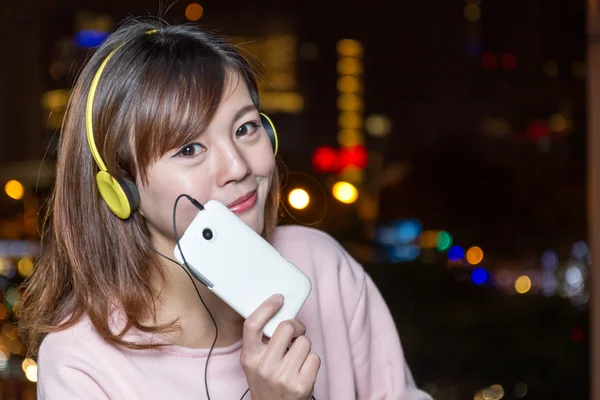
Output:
x,y
231,161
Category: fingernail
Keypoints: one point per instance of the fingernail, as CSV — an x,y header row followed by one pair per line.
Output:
x,y
278,298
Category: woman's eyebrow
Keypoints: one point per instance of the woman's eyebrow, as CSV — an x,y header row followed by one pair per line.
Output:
x,y
245,109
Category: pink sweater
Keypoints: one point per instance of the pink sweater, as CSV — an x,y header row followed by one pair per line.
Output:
x,y
346,318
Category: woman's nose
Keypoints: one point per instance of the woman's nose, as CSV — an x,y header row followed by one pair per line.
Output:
x,y
232,166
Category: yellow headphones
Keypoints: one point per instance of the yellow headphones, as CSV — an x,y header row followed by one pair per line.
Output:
x,y
120,194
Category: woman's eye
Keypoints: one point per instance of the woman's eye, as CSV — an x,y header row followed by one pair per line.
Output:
x,y
191,150
247,129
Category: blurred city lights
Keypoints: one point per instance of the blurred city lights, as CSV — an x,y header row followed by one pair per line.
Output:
x,y
349,48
25,266
407,230
90,38
350,120
14,189
508,61
194,11
299,199
349,66
349,102
31,373
550,68
549,260
472,12
479,276
489,60
520,390
579,250
378,125
456,254
345,192
429,239
494,392
474,255
348,84
350,137
324,159
444,241
523,284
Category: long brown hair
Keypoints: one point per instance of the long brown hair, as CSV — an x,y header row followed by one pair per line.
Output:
x,y
157,92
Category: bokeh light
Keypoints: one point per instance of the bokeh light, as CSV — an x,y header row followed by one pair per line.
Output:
x,y
474,255
349,66
456,254
494,392
299,199
378,125
479,276
444,241
472,12
345,192
349,48
14,189
25,266
31,373
194,11
523,284
550,69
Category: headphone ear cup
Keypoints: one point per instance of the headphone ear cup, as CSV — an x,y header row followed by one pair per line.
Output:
x,y
271,132
117,194
131,192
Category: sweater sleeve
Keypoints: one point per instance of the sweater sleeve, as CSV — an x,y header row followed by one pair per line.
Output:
x,y
380,369
63,373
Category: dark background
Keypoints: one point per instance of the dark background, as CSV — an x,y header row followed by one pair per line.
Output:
x,y
487,140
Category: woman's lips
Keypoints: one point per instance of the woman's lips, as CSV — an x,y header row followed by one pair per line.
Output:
x,y
244,203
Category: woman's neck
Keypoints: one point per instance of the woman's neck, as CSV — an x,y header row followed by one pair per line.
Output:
x,y
177,299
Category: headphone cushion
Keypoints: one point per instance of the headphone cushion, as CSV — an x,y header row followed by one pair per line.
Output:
x,y
271,132
115,194
131,192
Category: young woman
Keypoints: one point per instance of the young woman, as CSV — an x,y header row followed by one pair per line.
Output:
x,y
173,110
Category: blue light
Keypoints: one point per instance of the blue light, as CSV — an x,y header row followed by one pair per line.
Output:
x,y
478,276
407,230
89,38
403,253
456,254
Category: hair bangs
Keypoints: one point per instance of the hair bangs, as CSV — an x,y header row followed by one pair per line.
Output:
x,y
182,91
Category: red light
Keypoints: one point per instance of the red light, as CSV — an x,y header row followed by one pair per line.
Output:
x,y
324,159
509,61
489,60
354,155
537,130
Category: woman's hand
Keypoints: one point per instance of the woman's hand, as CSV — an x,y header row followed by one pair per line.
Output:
x,y
273,371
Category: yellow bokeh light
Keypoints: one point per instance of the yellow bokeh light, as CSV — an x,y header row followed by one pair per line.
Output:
x,y
349,66
31,373
523,284
350,137
378,125
349,48
25,266
350,120
472,12
429,239
559,123
345,192
299,199
14,189
348,84
349,102
494,392
28,362
194,11
352,174
474,255
550,69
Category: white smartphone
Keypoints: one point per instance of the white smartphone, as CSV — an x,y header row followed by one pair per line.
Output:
x,y
239,265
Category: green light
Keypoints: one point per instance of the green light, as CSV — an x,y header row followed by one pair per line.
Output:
x,y
444,241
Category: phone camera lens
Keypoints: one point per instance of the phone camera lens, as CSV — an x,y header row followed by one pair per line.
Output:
x,y
207,234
